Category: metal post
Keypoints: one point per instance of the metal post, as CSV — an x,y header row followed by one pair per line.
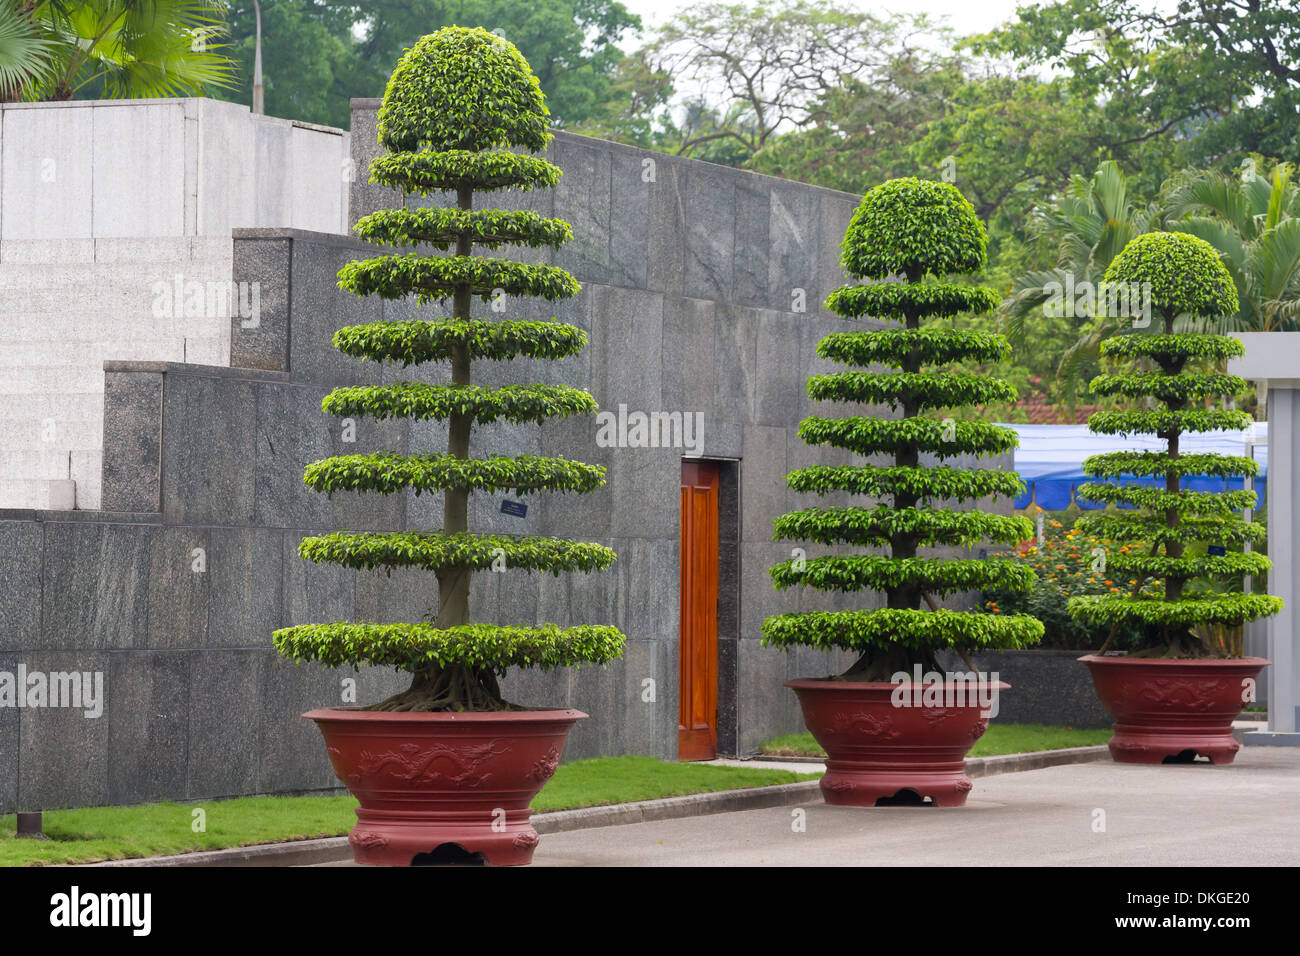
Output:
x,y
259,105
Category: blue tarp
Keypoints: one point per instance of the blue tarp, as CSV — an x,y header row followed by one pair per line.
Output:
x,y
1050,460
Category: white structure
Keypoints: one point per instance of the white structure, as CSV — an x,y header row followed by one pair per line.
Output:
x,y
115,220
1274,357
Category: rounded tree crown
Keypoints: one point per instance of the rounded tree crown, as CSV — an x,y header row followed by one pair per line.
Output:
x,y
462,88
1184,272
913,227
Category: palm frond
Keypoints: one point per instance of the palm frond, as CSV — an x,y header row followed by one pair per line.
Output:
x,y
27,54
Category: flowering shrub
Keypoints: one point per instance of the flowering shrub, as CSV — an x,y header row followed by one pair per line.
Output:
x,y
1068,564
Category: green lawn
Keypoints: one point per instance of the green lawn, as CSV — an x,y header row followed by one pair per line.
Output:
x,y
114,833
999,739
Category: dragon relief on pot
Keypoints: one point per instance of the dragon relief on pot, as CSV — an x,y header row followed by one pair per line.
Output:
x,y
440,763
1184,693
545,766
367,839
526,839
348,780
937,715
863,725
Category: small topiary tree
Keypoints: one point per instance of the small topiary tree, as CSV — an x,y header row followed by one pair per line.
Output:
x,y
457,103
921,231
1184,276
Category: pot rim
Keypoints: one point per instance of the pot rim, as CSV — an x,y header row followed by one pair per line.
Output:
x,y
353,712
822,683
1178,662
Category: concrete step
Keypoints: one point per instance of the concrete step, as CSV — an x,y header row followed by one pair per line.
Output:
x,y
91,353
138,275
20,435
46,463
55,406
108,298
127,323
28,368
51,423
85,378
38,493
87,472
135,249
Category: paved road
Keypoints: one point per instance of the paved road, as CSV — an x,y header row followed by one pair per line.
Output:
x,y
1243,815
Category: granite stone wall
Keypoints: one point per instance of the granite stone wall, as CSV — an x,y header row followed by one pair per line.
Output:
x,y
702,291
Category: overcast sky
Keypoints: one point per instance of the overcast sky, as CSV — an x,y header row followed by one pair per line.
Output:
x,y
964,16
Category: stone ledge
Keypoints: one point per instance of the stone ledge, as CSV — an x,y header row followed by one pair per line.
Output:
x,y
300,235
189,368
105,517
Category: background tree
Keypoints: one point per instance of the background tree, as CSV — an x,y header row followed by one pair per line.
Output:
x,y
1186,278
1223,78
317,54
864,130
764,68
922,232
458,102
122,49
1253,222
1088,226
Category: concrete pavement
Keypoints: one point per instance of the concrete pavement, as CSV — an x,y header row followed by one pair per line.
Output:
x,y
1094,814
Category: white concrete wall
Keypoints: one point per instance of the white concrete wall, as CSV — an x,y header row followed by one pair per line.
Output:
x,y
102,204
181,167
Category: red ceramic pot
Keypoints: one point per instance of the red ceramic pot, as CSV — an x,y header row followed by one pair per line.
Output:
x,y
426,780
1173,708
877,749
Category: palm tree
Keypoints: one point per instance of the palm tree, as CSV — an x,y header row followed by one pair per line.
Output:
x,y
1092,221
65,49
1253,223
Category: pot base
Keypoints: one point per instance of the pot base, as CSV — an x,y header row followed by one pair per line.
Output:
x,y
865,783
1144,745
398,839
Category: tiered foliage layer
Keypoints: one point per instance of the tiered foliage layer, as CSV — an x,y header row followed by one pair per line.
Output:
x,y
459,101
921,232
1181,376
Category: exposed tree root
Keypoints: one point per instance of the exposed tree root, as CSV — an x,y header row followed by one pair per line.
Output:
x,y
453,688
1184,646
881,664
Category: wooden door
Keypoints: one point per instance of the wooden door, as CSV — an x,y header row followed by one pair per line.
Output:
x,y
697,722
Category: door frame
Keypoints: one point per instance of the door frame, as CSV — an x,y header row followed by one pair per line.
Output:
x,y
726,718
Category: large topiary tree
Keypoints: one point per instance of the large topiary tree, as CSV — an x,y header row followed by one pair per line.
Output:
x,y
459,101
920,232
1183,275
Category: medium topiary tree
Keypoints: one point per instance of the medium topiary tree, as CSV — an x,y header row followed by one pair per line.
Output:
x,y
920,231
459,101
1183,275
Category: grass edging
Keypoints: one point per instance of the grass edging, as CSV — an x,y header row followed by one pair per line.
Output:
x,y
336,849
